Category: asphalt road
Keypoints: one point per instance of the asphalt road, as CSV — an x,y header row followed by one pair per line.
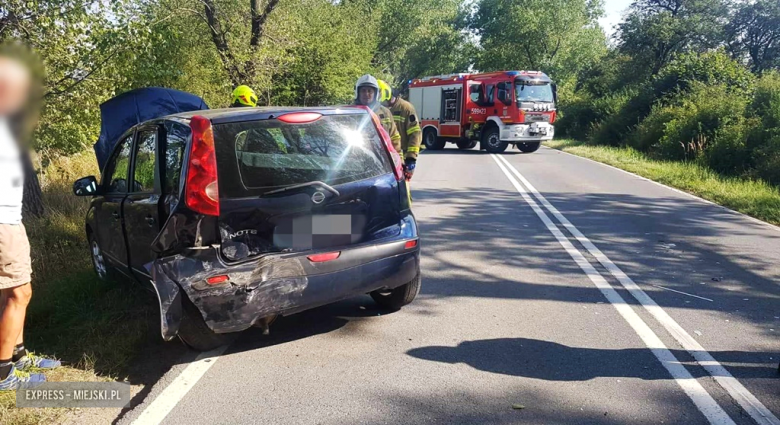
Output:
x,y
518,309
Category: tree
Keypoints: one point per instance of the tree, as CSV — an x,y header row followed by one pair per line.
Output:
x,y
555,36
657,30
754,31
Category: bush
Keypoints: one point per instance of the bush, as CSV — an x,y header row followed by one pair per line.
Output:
x,y
767,161
710,68
580,117
766,102
616,128
707,124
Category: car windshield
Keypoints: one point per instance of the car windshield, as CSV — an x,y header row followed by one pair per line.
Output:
x,y
533,92
270,154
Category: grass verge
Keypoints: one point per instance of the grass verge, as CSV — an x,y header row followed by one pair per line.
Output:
x,y
94,327
754,198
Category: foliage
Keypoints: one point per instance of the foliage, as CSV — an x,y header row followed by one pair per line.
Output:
x,y
710,68
557,36
753,33
655,31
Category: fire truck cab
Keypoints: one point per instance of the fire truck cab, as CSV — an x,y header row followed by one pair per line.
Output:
x,y
494,109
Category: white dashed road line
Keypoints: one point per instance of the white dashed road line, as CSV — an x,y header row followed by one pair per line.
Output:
x,y
741,395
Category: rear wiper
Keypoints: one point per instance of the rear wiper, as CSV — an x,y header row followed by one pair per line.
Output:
x,y
298,186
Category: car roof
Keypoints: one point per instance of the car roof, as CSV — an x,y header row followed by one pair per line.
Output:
x,y
227,115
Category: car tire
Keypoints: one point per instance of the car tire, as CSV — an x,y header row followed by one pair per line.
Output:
x,y
99,262
396,298
529,146
431,141
194,332
466,144
491,141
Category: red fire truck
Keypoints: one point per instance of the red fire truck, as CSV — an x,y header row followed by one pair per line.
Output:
x,y
494,109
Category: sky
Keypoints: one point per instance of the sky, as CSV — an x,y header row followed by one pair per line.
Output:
x,y
613,10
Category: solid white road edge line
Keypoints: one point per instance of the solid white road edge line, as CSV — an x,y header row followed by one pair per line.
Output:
x,y
161,406
743,397
700,397
673,189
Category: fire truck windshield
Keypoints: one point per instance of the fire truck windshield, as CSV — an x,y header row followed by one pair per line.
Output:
x,y
533,92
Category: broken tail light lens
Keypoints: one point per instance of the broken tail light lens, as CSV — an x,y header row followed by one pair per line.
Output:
x,y
202,187
321,258
216,280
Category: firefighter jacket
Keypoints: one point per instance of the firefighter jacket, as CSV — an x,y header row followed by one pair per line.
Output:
x,y
386,119
406,120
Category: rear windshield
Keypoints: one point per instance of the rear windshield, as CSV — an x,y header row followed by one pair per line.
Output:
x,y
259,156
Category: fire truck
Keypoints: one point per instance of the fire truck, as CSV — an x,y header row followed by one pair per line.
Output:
x,y
493,109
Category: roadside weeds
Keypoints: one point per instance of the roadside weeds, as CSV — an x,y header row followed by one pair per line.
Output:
x,y
755,198
95,328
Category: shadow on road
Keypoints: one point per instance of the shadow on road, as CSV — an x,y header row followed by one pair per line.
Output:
x,y
550,361
650,238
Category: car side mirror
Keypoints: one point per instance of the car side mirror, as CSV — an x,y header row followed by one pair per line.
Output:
x,y
85,186
555,92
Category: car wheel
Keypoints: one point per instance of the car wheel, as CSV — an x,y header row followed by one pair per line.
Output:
x,y
466,144
431,141
99,262
492,142
529,147
194,332
396,298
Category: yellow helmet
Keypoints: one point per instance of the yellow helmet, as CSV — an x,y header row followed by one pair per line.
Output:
x,y
385,91
244,96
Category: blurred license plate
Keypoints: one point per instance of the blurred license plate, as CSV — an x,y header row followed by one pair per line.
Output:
x,y
319,231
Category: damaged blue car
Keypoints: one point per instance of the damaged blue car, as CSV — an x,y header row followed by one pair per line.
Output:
x,y
236,216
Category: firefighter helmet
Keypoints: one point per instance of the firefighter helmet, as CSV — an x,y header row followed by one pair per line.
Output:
x,y
367,80
244,96
385,92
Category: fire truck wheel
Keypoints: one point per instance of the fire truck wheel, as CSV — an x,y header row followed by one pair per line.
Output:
x,y
466,144
529,147
491,141
431,141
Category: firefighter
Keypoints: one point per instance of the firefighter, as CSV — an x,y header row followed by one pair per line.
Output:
x,y
244,96
406,120
367,94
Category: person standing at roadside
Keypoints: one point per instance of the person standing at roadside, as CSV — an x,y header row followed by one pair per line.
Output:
x,y
19,96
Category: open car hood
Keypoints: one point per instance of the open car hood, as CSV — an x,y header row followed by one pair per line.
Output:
x,y
136,106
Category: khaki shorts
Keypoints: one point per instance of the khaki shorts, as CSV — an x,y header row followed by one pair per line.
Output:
x,y
15,267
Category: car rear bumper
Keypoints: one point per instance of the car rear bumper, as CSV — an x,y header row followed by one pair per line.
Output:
x,y
277,284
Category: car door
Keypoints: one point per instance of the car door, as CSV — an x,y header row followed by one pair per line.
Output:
x,y
141,207
108,209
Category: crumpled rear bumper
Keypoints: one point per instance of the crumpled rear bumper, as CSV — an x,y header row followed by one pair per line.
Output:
x,y
275,284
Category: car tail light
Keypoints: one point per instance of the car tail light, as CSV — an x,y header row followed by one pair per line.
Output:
x,y
410,244
216,280
202,188
398,169
299,117
321,258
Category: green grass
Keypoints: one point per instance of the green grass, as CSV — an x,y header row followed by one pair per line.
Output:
x,y
754,198
95,328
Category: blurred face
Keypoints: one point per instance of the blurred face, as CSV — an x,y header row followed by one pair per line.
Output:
x,y
15,83
366,95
